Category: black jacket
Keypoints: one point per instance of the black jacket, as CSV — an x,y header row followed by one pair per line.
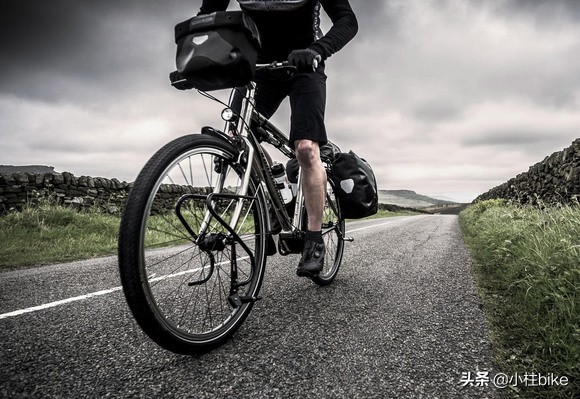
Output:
x,y
290,25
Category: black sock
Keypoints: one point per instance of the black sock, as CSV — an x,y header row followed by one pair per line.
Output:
x,y
315,236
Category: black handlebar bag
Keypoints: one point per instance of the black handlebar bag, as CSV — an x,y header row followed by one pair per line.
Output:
x,y
218,50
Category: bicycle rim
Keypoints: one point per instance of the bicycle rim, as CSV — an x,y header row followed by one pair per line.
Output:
x,y
332,234
180,276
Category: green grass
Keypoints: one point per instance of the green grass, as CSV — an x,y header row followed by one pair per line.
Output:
x,y
49,233
527,267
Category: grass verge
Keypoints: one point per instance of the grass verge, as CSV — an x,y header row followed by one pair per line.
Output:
x,y
50,233
527,268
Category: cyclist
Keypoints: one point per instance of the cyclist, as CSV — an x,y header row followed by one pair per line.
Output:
x,y
290,29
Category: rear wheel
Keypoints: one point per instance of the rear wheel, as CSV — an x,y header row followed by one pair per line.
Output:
x,y
332,232
178,264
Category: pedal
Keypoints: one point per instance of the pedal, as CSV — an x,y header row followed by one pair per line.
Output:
x,y
236,300
283,248
290,243
349,239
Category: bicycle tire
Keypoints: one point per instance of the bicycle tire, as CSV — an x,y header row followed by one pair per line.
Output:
x,y
333,228
164,284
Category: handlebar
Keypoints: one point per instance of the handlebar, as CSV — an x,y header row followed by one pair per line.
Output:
x,y
284,65
276,65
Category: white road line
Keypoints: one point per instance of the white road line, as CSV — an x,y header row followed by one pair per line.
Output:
x,y
95,294
372,226
367,227
58,303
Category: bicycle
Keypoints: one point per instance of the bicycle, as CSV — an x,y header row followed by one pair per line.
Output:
x,y
194,234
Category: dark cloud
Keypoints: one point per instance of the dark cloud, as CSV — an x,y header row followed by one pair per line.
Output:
x,y
63,48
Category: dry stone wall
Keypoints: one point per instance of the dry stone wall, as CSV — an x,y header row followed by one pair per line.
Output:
x,y
18,189
555,180
109,195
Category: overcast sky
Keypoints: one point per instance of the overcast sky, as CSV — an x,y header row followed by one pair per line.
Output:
x,y
443,97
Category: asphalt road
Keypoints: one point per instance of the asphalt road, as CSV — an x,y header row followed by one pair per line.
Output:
x,y
401,320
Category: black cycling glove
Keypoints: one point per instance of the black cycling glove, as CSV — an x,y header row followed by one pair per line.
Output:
x,y
304,59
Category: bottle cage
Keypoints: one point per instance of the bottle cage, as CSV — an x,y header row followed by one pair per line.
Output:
x,y
271,5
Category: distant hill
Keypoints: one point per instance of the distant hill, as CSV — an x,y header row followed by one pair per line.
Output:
x,y
26,169
410,199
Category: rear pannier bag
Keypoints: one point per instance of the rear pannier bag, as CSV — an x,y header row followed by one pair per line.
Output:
x,y
218,50
355,186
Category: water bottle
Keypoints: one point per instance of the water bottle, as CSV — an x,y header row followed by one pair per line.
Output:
x,y
282,183
292,175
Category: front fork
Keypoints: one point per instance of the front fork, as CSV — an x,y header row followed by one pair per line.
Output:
x,y
207,241
245,156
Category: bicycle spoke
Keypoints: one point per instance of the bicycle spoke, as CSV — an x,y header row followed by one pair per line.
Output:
x,y
209,180
170,257
174,273
177,237
183,174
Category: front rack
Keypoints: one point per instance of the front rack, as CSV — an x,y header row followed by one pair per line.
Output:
x,y
210,243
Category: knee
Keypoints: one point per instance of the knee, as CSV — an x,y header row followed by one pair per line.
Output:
x,y
307,153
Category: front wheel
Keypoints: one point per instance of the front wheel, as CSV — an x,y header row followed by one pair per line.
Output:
x,y
333,226
188,282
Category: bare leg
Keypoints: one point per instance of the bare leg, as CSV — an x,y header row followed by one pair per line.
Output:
x,y
313,181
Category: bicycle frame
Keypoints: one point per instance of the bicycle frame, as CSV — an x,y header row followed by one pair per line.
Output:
x,y
255,155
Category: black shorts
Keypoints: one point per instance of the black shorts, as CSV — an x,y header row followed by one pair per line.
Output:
x,y
307,94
